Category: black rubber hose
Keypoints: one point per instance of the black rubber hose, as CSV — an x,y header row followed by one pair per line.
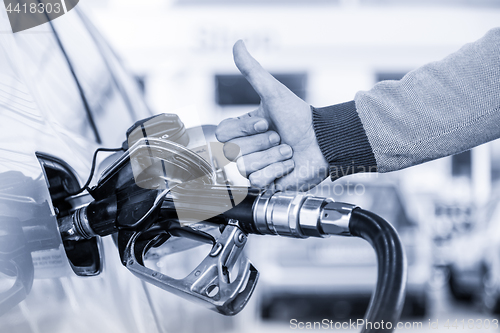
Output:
x,y
388,299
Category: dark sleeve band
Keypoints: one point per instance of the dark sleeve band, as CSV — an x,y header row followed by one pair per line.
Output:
x,y
342,140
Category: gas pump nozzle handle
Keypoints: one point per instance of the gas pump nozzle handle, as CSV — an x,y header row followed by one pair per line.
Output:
x,y
210,282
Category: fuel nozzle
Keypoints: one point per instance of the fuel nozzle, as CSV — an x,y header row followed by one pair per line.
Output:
x,y
157,191
299,215
97,218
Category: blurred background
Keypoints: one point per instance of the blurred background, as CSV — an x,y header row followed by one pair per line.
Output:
x,y
446,211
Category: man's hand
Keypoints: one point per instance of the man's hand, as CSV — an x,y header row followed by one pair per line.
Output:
x,y
276,142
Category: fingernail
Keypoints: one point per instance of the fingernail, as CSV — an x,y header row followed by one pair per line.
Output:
x,y
288,163
260,126
274,138
285,150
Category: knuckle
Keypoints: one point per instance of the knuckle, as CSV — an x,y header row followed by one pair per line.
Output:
x,y
225,127
261,139
253,179
275,155
221,132
260,143
288,164
247,129
256,180
278,184
254,166
240,164
280,169
270,157
245,70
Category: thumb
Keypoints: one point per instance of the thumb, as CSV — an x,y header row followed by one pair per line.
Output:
x,y
263,82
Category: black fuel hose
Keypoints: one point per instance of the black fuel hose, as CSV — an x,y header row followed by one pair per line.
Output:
x,y
388,299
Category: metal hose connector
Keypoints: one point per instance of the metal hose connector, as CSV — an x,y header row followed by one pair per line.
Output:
x,y
76,226
300,215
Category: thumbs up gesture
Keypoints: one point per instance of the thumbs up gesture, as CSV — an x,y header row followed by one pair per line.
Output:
x,y
276,143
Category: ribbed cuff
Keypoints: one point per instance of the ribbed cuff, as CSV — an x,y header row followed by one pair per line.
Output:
x,y
342,140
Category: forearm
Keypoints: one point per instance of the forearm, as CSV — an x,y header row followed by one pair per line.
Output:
x,y
437,110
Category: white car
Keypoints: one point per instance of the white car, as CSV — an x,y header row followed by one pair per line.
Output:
x,y
64,93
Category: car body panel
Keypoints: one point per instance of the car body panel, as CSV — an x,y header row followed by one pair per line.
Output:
x,y
42,111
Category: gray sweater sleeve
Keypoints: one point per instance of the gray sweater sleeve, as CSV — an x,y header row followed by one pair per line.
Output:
x,y
437,110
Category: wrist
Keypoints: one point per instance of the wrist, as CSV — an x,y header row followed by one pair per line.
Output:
x,y
320,162
342,140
